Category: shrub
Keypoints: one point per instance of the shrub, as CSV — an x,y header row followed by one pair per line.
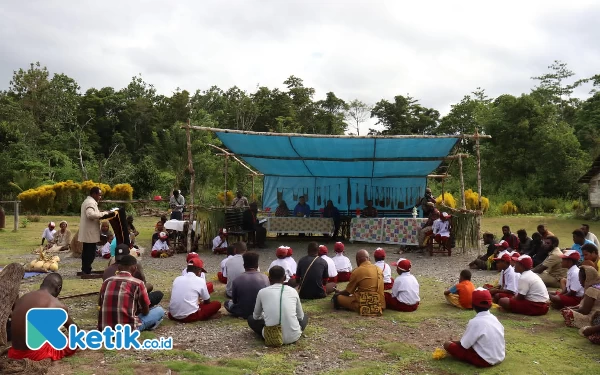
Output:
x,y
229,197
448,200
509,208
472,201
34,218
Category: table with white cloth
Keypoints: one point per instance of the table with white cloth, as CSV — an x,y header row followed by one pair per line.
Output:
x,y
296,225
177,225
388,230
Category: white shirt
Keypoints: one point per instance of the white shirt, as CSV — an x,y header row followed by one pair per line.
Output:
x,y
267,307
234,268
331,269
106,249
485,334
441,227
202,274
532,287
223,262
185,293
406,289
342,263
285,264
293,264
510,279
160,245
573,283
387,271
49,234
217,243
592,237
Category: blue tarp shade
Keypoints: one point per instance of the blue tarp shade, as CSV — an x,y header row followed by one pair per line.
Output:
x,y
347,170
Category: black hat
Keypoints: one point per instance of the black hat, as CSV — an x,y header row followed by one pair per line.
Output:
x,y
121,251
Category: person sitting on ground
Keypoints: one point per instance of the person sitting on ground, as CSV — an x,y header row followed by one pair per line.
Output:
x,y
588,310
460,294
239,201
592,332
366,278
62,238
105,251
511,238
427,227
45,297
405,292
323,253
585,228
342,263
590,256
133,233
572,291
281,261
245,287
161,249
508,282
160,227
255,229
524,241
163,220
188,258
578,241
104,227
483,343
235,266
282,210
312,271
291,261
499,247
481,263
537,251
278,304
222,275
48,234
102,244
544,232
332,212
532,297
177,203
219,243
155,296
386,270
369,211
124,300
551,270
302,209
187,290
441,229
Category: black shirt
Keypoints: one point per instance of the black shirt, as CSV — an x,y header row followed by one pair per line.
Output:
x,y
490,250
313,283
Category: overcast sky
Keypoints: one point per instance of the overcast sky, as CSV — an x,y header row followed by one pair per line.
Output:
x,y
437,51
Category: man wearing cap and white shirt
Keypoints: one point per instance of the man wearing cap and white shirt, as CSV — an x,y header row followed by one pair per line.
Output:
x,y
551,270
483,343
188,258
49,233
323,251
219,243
508,282
405,292
532,297
186,292
572,291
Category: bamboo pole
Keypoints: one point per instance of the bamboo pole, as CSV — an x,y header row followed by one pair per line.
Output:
x,y
253,187
192,187
227,153
226,166
478,187
462,184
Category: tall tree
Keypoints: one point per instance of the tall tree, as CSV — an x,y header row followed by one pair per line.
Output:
x,y
357,114
405,116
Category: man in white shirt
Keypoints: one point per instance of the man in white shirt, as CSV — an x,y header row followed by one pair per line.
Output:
x,y
279,304
219,243
186,292
222,275
188,258
177,203
589,235
49,233
483,343
405,292
240,201
323,251
379,256
572,291
282,261
532,295
234,267
441,228
507,284
343,266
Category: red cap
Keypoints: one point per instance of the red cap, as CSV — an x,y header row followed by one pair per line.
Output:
x,y
191,256
323,250
379,253
481,298
515,254
403,264
281,252
525,260
503,244
338,247
163,235
223,231
571,254
503,256
290,251
198,263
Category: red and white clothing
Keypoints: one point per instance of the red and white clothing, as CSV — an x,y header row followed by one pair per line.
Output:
x,y
532,287
105,251
406,289
286,265
184,295
160,245
223,263
509,280
342,263
441,228
386,270
331,269
485,334
573,284
218,243
293,264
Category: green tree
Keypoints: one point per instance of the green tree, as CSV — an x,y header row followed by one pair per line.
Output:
x,y
405,116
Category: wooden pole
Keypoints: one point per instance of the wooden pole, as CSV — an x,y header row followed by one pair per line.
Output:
x,y
253,199
462,184
478,220
16,224
192,187
225,196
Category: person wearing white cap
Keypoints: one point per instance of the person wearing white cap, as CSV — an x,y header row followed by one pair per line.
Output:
x,y
572,290
532,297
49,233
441,228
405,292
161,246
219,243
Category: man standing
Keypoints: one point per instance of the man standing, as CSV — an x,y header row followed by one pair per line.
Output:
x,y
551,270
245,287
251,224
89,228
332,212
589,235
49,233
312,270
235,266
578,241
177,203
239,201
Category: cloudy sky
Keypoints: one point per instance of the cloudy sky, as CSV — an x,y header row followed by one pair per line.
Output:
x,y
437,51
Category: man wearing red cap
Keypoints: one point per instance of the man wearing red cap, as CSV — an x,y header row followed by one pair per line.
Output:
x,y
342,263
551,271
483,343
532,297
507,284
572,292
281,261
186,292
219,243
405,292
386,270
188,258
323,251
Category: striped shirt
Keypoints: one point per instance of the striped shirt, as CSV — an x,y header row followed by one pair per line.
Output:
x,y
122,298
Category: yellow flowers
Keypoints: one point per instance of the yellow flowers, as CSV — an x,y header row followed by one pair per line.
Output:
x,y
472,201
230,197
448,200
509,208
438,353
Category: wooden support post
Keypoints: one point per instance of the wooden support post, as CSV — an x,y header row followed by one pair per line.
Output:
x,y
225,196
192,187
254,198
462,184
443,197
478,188
16,225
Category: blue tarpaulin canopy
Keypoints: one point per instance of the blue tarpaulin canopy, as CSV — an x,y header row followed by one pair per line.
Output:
x,y
346,169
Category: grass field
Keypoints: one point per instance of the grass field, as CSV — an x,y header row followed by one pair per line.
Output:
x,y
335,342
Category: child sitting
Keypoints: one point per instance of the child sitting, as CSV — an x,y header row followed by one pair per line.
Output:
x,y
282,260
222,275
405,292
460,294
342,263
160,249
379,255
291,261
331,269
572,291
483,343
105,249
188,258
507,284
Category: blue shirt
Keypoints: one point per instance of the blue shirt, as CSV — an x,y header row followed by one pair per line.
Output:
x,y
113,247
304,209
578,247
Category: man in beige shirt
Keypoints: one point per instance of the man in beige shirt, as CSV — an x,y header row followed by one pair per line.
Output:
x,y
551,271
89,227
240,201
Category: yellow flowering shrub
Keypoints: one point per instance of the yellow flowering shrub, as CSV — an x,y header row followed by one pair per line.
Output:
x,y
448,200
230,197
121,192
472,201
509,208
